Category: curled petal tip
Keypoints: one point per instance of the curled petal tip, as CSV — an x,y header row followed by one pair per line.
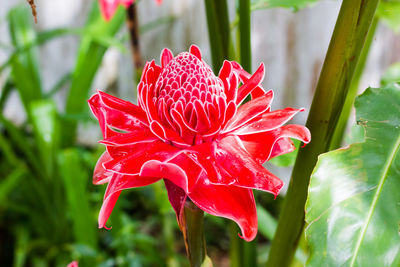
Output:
x,y
166,57
195,50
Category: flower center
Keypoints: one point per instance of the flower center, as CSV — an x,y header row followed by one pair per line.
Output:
x,y
189,97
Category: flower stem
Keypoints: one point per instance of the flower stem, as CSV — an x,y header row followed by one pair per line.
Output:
x,y
355,82
348,38
192,225
133,28
244,253
218,31
245,34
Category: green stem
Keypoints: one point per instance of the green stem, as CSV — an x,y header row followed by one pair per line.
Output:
x,y
236,248
355,82
193,232
132,23
245,34
218,31
221,8
348,38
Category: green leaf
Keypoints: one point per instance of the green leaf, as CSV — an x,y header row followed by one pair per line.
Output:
x,y
389,12
46,131
25,66
353,210
292,4
21,142
266,223
75,181
90,55
21,249
392,74
10,182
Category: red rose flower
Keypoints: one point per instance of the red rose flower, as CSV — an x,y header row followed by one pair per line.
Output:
x,y
108,7
190,130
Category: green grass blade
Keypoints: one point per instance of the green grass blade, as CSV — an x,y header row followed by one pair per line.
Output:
x,y
75,179
9,183
89,58
25,66
46,131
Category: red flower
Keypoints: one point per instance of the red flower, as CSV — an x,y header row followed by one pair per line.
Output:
x,y
73,264
189,130
108,7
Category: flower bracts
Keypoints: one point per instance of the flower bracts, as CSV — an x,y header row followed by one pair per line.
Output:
x,y
190,129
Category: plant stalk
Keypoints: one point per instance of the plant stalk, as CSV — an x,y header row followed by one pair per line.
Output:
x,y
352,25
133,28
192,226
246,252
218,31
355,82
245,34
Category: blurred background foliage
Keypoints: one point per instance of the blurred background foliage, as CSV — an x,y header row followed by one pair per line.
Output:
x,y
48,206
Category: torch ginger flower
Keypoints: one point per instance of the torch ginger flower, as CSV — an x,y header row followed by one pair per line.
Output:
x,y
108,7
190,130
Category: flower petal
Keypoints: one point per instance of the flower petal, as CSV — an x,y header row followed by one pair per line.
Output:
x,y
244,76
261,145
195,50
249,111
130,162
117,184
181,169
123,139
251,84
166,57
268,121
166,134
231,202
117,113
100,174
238,163
177,198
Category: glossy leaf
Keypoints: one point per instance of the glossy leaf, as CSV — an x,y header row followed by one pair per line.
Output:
x,y
292,4
388,11
353,210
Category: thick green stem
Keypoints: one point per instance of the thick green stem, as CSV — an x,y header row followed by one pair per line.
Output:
x,y
247,251
236,248
218,31
245,34
348,38
355,82
192,226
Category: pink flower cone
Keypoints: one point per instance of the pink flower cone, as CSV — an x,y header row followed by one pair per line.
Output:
x,y
190,130
108,7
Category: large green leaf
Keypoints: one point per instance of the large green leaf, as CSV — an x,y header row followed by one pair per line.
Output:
x,y
292,4
389,12
353,210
